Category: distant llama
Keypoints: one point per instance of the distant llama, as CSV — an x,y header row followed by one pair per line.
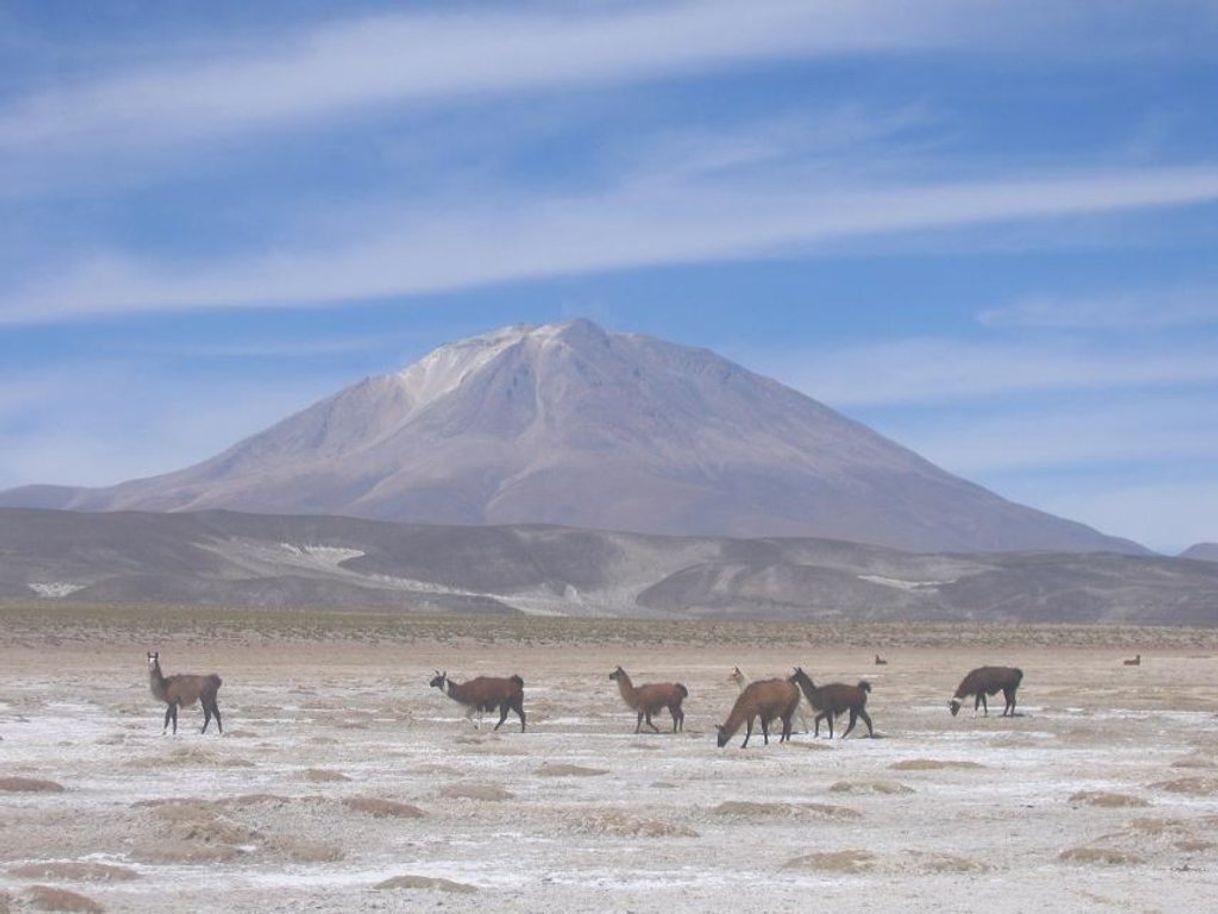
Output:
x,y
181,691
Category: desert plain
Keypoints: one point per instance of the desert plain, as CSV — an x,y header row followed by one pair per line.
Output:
x,y
344,783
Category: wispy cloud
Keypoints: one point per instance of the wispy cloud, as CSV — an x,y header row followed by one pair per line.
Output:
x,y
1130,428
341,67
514,239
917,371
1143,309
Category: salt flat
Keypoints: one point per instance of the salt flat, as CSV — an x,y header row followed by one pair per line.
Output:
x,y
340,769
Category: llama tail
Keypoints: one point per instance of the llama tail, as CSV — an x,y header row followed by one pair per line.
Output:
x,y
216,680
516,679
684,691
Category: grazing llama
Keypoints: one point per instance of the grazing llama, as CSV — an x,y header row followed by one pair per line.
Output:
x,y
741,680
485,693
650,698
988,680
181,691
765,700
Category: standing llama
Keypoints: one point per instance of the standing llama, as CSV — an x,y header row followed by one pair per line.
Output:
x,y
648,699
828,701
988,680
485,693
181,691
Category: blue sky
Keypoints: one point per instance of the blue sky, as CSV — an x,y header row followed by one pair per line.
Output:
x,y
986,229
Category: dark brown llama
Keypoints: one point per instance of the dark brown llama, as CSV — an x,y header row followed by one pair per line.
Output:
x,y
988,680
181,691
485,693
828,701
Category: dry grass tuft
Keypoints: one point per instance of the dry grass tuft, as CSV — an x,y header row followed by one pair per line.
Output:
x,y
752,810
623,825
430,883
75,871
29,785
930,764
576,771
1099,856
1107,800
1190,786
381,809
847,861
49,898
947,863
487,792
878,787
323,776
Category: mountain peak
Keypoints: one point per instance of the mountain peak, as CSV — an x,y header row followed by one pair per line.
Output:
x,y
571,424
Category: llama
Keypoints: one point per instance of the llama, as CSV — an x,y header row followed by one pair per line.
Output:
x,y
650,698
1136,661
485,693
181,691
833,699
766,699
988,680
880,661
741,680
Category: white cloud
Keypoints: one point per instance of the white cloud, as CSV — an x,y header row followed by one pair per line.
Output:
x,y
1143,309
946,370
1138,427
512,239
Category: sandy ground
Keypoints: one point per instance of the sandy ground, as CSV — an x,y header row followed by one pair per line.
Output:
x,y
340,770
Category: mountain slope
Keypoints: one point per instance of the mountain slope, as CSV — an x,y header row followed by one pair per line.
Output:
x,y
1202,552
569,424
233,559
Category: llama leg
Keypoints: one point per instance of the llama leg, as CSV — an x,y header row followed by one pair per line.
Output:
x,y
786,728
206,716
985,705
854,716
831,715
215,712
867,720
174,718
765,731
650,724
503,712
816,722
639,723
168,715
748,731
519,706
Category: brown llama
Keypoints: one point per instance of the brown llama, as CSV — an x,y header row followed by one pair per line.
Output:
x,y
834,699
181,691
741,680
648,699
988,680
1136,661
485,693
766,700
880,661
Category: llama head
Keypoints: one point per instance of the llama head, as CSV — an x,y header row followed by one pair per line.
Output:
x,y
437,681
617,674
723,737
736,676
954,705
154,660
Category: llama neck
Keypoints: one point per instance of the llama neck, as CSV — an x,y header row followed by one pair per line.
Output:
x,y
156,681
626,687
451,688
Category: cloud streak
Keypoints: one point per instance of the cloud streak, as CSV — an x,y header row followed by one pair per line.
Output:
x,y
529,238
1145,309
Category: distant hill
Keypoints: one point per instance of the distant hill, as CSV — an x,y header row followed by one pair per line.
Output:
x,y
228,558
571,424
1205,552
